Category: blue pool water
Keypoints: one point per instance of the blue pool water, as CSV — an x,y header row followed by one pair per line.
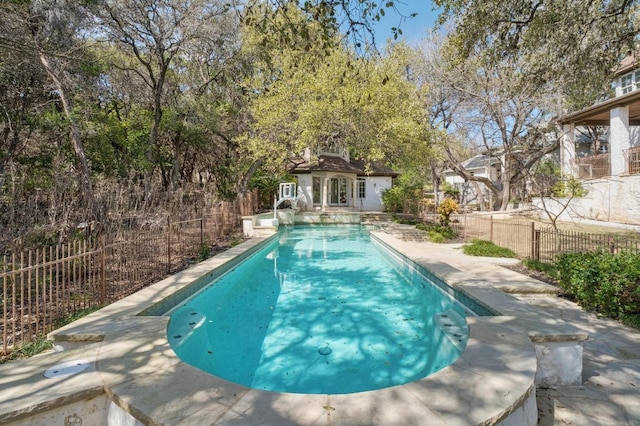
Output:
x,y
321,310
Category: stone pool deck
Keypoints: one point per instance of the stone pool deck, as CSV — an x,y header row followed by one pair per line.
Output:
x,y
131,363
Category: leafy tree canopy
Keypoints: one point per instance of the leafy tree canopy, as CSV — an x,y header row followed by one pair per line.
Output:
x,y
302,99
573,44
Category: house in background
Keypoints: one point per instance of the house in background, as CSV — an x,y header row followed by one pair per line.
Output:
x,y
332,180
610,175
619,153
473,193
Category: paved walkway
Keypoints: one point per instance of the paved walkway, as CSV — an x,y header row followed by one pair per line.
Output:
x,y
610,393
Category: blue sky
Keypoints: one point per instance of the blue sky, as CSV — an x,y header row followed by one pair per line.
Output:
x,y
413,29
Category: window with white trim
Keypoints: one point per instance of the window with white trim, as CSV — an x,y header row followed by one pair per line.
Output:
x,y
630,82
362,188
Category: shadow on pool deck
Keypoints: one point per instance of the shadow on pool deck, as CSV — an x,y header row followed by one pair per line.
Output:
x,y
610,393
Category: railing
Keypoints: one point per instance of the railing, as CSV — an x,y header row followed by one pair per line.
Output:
x,y
40,287
529,241
594,166
632,157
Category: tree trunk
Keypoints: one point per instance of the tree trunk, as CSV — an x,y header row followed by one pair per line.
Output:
x,y
76,138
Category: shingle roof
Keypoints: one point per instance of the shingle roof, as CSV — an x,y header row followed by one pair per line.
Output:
x,y
477,162
330,163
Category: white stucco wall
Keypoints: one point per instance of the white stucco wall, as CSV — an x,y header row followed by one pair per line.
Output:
x,y
613,199
374,187
304,189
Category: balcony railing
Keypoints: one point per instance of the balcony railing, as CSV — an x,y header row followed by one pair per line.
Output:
x,y
632,157
594,166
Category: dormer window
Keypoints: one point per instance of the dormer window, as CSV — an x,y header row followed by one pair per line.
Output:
x,y
335,148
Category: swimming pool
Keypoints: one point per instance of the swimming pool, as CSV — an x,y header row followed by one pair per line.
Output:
x,y
320,310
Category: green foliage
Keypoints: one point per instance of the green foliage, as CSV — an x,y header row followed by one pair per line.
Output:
x,y
404,221
570,187
27,350
450,191
267,185
530,37
487,248
41,344
235,240
404,196
302,98
438,233
602,282
436,237
447,207
204,252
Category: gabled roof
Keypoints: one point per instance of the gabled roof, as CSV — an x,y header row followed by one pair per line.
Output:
x,y
331,163
478,162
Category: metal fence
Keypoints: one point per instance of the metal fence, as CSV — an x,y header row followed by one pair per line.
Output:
x,y
40,287
528,240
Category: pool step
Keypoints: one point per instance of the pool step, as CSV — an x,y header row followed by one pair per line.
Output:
x,y
454,326
183,325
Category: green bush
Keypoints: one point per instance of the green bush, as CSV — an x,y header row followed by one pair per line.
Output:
x,y
436,237
602,282
446,232
486,248
404,221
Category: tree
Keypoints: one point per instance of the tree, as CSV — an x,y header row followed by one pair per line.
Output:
x,y
572,45
555,192
305,98
158,37
52,32
493,109
355,17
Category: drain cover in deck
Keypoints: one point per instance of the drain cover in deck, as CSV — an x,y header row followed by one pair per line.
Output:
x,y
68,368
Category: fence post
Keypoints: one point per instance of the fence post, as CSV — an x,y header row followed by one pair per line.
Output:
x,y
612,245
169,244
202,230
491,228
103,263
535,242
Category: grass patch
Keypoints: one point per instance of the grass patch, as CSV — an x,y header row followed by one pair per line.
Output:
x,y
487,249
28,350
41,344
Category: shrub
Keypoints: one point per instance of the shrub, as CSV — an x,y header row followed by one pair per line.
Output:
x,y
446,232
445,209
602,282
486,248
436,237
